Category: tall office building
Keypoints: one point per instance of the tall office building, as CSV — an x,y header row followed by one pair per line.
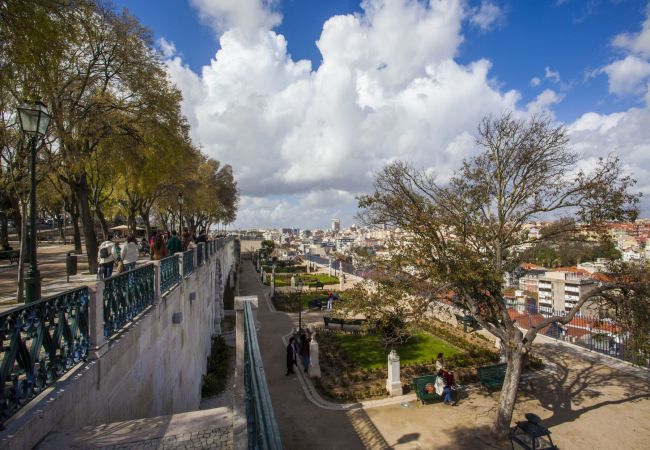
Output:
x,y
336,224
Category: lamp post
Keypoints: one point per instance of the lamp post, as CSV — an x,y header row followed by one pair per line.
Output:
x,y
180,212
273,281
34,119
298,292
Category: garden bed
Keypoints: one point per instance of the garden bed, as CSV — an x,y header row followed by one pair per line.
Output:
x,y
309,280
354,364
287,302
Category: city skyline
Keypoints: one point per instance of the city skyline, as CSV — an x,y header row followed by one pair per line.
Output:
x,y
305,124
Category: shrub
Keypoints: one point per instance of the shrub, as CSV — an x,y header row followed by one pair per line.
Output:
x,y
214,381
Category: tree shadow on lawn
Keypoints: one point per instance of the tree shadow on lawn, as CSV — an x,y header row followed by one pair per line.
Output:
x,y
571,390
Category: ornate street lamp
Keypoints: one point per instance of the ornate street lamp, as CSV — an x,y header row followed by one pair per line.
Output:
x,y
180,212
34,120
298,292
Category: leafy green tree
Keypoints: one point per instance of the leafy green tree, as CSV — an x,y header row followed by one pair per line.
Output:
x,y
464,235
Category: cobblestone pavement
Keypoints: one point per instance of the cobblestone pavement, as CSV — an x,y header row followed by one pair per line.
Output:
x,y
217,439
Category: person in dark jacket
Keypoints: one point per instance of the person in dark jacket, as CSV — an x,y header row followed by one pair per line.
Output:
x,y
174,244
291,357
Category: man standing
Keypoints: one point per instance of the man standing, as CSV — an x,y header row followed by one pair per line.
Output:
x,y
291,356
174,244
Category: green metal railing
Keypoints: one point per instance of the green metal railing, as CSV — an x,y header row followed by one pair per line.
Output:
x,y
169,273
39,342
125,296
200,253
263,432
188,263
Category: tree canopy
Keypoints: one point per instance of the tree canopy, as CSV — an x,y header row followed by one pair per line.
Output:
x,y
463,235
118,147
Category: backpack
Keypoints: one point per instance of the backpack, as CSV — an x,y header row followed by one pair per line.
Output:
x,y
103,252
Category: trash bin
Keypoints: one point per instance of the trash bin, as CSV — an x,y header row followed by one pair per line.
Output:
x,y
70,264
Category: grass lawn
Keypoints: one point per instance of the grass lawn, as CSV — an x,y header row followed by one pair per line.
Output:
x,y
367,352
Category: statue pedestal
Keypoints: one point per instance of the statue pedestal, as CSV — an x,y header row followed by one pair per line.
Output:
x,y
393,383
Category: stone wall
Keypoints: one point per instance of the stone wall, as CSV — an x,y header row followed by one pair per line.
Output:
x,y
152,367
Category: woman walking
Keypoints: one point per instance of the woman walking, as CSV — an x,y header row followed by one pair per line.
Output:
x,y
159,249
129,253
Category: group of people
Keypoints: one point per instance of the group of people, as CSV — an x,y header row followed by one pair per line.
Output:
x,y
298,346
160,245
111,254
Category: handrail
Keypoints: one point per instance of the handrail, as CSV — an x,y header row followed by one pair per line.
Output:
x,y
188,262
125,296
39,342
263,432
169,273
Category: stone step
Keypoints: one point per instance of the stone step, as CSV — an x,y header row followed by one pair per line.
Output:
x,y
209,429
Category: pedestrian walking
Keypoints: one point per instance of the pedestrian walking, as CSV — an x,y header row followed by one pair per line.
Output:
x,y
174,244
304,351
108,251
291,356
159,249
129,253
185,238
330,299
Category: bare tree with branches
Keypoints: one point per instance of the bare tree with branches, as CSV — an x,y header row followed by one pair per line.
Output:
x,y
463,236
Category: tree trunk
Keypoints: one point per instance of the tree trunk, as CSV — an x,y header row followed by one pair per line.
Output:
x,y
60,224
22,259
514,359
102,220
16,216
90,237
147,223
131,222
4,229
76,232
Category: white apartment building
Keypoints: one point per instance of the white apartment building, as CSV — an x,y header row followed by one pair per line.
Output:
x,y
560,290
336,225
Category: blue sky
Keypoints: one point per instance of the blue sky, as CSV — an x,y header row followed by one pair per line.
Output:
x,y
557,57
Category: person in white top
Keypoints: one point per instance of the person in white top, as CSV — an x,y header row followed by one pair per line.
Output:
x,y
129,253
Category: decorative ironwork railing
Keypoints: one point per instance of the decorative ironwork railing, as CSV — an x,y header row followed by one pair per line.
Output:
x,y
39,342
188,263
263,432
125,296
169,273
200,253
597,334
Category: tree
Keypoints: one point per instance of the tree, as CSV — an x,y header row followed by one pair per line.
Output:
x,y
463,236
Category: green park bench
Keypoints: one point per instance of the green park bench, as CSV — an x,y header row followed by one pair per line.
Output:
x,y
342,322
423,384
317,285
492,376
468,321
11,255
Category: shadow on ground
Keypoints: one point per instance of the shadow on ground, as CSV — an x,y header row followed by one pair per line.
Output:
x,y
569,391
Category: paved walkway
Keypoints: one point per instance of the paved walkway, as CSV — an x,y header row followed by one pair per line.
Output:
x,y
588,401
302,424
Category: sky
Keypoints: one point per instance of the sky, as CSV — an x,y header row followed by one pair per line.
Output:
x,y
307,99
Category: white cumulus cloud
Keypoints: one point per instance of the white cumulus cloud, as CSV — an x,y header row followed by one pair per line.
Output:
x,y
486,16
304,142
247,15
627,76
